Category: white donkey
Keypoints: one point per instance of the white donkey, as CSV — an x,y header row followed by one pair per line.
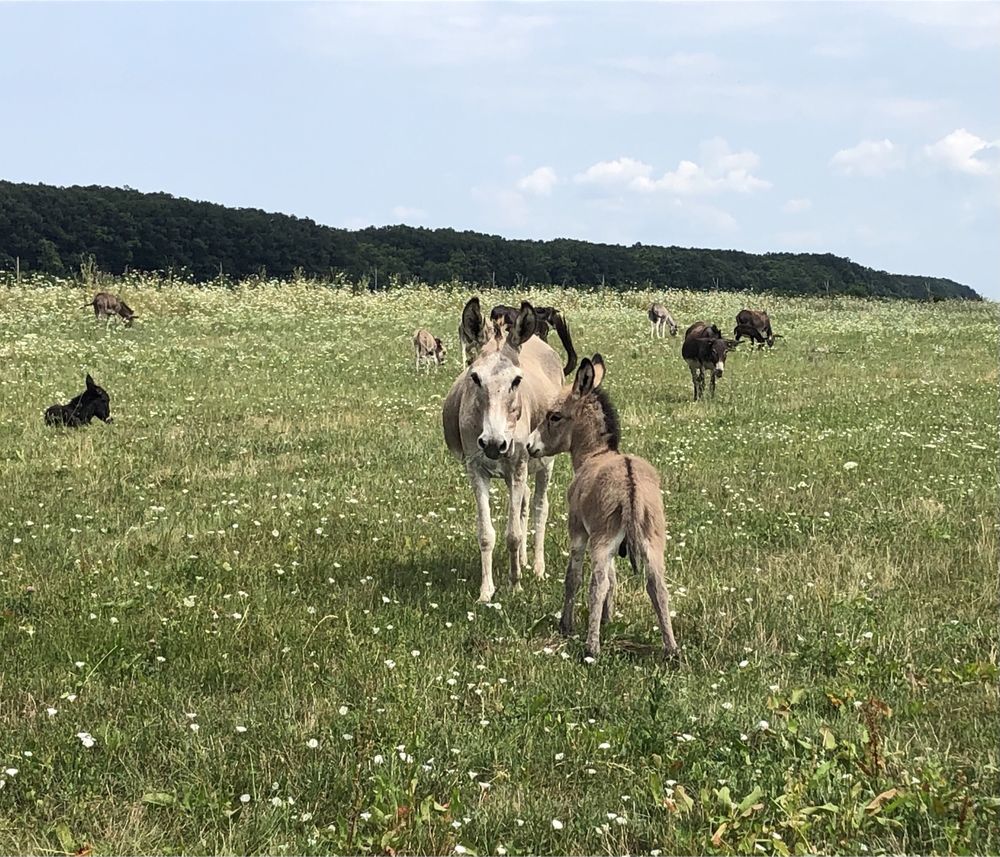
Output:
x,y
491,409
614,501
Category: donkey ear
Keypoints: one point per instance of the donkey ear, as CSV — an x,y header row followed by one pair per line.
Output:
x,y
731,344
584,381
599,369
90,382
524,327
472,320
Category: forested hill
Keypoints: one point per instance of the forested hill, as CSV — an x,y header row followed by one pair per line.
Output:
x,y
52,229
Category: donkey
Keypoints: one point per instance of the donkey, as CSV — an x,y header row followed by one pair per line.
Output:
x,y
106,305
428,348
755,324
659,320
487,416
705,348
92,402
614,500
546,318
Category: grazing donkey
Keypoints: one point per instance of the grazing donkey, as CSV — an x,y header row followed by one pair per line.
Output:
x,y
705,348
428,348
92,402
659,320
106,305
756,325
546,318
487,416
613,500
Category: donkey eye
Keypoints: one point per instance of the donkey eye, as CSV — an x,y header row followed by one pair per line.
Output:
x,y
555,416
475,379
516,382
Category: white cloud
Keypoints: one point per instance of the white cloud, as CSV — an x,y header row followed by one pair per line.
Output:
x,y
964,152
795,206
538,182
721,170
868,158
620,172
406,214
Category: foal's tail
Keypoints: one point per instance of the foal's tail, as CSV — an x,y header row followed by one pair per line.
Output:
x,y
638,520
87,305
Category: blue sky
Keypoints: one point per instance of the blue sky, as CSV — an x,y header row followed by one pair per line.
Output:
x,y
867,130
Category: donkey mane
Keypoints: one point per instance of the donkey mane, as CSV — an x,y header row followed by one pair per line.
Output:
x,y
612,427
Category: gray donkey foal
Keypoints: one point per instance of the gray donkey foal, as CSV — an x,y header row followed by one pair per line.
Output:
x,y
614,499
487,416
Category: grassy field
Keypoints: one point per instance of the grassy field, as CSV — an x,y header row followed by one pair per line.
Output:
x,y
242,618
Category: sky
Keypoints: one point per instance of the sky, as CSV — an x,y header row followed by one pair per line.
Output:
x,y
870,131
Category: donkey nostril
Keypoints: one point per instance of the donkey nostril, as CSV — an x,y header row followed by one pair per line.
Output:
x,y
482,443
503,446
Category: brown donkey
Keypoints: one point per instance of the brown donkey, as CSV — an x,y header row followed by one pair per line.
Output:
x,y
613,499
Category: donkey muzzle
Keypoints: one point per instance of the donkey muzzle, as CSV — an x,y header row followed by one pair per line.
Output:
x,y
494,448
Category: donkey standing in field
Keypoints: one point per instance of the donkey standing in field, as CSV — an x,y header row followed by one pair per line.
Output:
x,y
106,305
755,324
92,402
613,500
705,348
659,320
428,348
487,416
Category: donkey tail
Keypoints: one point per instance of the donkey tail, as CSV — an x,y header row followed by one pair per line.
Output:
x,y
567,342
634,518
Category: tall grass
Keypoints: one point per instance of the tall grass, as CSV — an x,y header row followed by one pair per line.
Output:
x,y
242,618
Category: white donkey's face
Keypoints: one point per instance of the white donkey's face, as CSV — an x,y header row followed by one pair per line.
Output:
x,y
496,380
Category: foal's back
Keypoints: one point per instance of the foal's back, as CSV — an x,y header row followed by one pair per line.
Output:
x,y
612,487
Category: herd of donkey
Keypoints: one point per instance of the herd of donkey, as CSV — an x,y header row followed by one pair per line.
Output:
x,y
507,416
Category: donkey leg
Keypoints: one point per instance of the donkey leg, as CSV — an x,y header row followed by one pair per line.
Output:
x,y
540,503
525,506
574,574
487,535
517,484
602,558
657,591
608,610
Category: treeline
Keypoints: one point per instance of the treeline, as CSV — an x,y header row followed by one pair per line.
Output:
x,y
53,230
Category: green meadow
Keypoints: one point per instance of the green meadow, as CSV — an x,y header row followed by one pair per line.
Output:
x,y
242,618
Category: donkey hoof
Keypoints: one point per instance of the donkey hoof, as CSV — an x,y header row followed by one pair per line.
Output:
x,y
486,596
672,657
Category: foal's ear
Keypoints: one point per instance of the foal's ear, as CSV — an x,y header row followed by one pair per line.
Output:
x,y
472,321
524,325
90,382
599,369
584,381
